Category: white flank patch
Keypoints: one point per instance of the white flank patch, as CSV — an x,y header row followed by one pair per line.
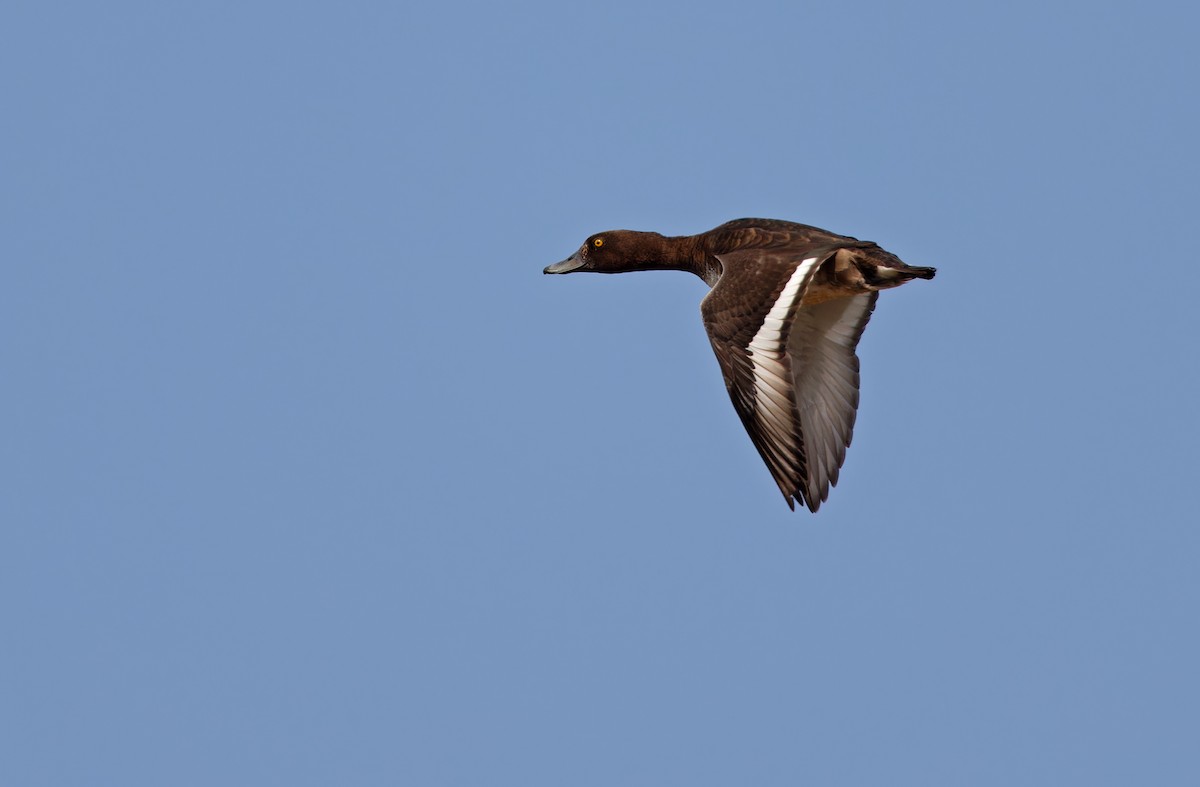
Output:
x,y
767,346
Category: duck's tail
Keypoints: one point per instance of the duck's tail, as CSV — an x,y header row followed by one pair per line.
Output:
x,y
917,272
894,274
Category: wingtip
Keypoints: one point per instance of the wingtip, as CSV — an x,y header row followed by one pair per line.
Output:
x,y
797,497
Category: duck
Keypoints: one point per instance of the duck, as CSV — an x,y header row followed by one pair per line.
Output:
x,y
787,306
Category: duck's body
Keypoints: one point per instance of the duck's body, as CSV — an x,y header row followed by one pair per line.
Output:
x,y
788,306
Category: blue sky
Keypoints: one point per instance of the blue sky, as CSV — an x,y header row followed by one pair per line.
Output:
x,y
310,476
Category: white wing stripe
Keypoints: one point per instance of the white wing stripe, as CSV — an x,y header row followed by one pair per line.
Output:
x,y
769,334
767,346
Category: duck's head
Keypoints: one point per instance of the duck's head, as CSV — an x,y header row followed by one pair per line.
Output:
x,y
616,251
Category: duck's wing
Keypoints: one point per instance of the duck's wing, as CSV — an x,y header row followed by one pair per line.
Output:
x,y
791,370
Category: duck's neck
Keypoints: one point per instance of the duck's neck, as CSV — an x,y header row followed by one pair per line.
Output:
x,y
681,253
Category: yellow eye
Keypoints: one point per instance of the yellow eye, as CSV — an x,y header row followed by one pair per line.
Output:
x,y
598,242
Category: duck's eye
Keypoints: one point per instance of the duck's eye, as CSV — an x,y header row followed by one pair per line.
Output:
x,y
598,242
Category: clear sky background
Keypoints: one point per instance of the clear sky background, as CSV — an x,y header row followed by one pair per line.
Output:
x,y
310,476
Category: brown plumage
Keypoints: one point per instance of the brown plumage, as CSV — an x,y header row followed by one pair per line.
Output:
x,y
788,305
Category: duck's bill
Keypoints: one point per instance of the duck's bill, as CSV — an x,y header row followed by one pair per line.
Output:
x,y
572,263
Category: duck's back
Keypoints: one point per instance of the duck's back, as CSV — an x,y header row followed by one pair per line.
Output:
x,y
772,234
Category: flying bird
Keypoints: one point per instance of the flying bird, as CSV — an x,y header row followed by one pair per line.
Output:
x,y
788,305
